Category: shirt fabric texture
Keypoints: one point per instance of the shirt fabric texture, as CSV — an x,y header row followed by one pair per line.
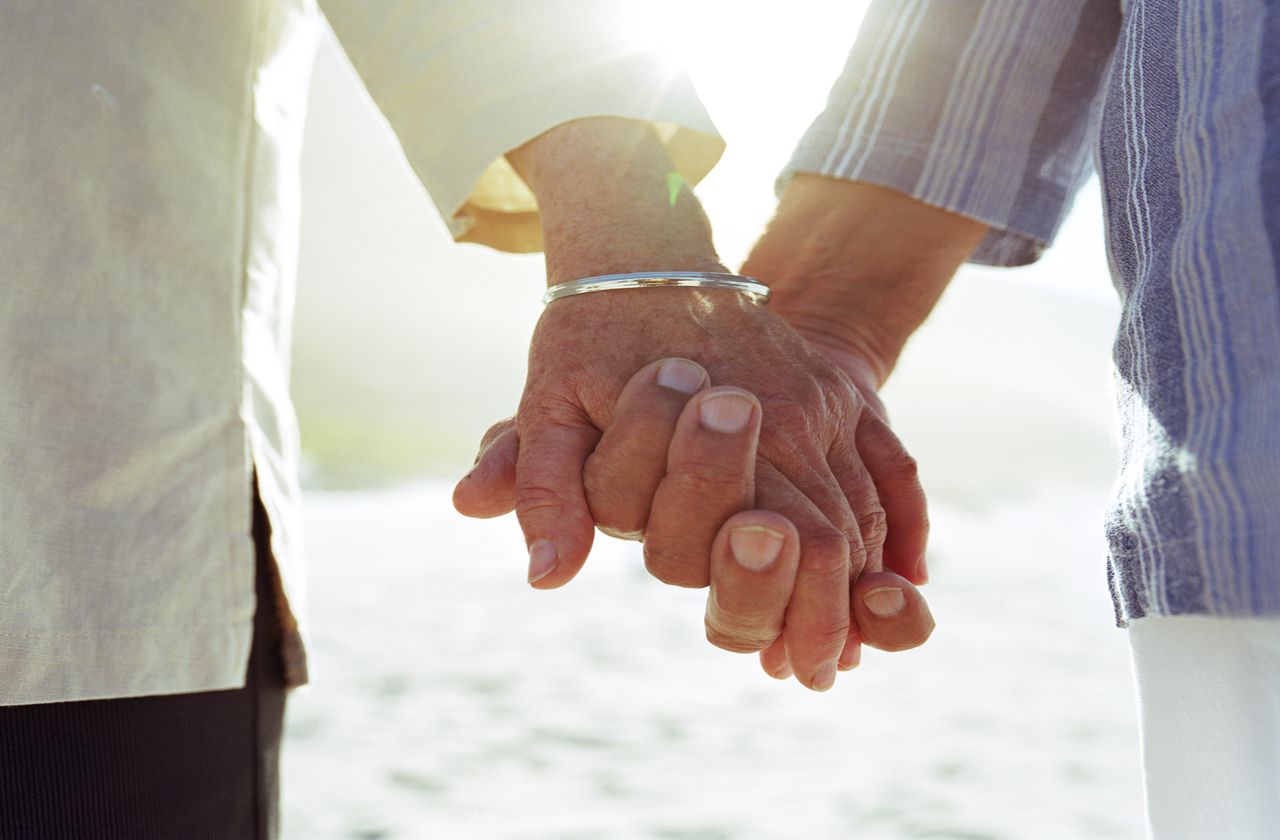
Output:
x,y
148,244
202,766
990,108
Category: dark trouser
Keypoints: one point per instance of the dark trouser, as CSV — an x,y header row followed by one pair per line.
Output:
x,y
178,767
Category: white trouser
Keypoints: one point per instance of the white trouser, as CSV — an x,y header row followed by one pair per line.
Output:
x,y
1209,709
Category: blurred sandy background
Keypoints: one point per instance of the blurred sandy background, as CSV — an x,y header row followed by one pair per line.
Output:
x,y
451,701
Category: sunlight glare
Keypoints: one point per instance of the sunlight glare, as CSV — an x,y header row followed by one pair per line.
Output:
x,y
763,71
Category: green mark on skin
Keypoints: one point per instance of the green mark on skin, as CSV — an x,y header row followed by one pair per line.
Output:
x,y
675,183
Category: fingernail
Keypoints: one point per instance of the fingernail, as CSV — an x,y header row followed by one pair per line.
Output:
x,y
727,413
850,657
885,601
542,559
783,673
755,547
825,677
922,570
681,375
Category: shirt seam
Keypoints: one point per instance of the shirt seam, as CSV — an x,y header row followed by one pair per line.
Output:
x,y
237,518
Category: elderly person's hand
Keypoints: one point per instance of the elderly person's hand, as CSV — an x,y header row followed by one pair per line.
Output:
x,y
678,458
826,461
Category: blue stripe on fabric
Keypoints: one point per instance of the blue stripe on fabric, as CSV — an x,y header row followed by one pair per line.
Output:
x,y
1141,185
1191,270
1194,239
1000,80
1269,94
1264,593
1223,383
1061,133
908,119
1230,129
930,83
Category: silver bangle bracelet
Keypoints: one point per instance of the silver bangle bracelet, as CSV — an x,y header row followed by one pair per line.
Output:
x,y
749,286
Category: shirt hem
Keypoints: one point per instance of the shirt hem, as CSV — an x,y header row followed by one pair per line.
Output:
x,y
66,667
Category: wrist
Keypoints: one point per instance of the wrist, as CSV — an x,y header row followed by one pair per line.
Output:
x,y
857,344
857,268
611,202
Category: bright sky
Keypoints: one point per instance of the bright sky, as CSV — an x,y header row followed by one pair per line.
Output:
x,y
763,70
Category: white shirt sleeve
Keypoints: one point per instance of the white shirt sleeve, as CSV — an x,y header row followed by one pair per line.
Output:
x,y
464,82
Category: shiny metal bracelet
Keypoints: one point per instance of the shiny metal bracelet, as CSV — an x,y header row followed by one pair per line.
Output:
x,y
749,286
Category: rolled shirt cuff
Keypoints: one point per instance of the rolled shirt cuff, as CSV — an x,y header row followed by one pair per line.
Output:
x,y
463,83
986,109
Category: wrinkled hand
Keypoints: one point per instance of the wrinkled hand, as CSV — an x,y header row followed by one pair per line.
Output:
x,y
783,429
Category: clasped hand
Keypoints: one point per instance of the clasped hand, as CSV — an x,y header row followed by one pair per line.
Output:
x,y
744,457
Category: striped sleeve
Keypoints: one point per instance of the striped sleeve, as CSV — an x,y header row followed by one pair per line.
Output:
x,y
981,107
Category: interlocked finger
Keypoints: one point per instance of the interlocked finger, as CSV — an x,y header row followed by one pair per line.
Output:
x,y
710,477
891,613
888,612
490,488
817,616
866,544
628,463
866,550
901,497
753,567
774,661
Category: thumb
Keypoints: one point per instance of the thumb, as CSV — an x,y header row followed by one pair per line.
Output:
x,y
489,490
550,501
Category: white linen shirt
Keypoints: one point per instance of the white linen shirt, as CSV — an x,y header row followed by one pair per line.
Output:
x,y
148,228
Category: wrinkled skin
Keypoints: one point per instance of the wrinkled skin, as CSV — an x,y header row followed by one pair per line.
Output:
x,y
600,442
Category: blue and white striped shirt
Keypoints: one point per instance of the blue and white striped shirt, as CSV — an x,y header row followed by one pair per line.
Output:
x,y
990,108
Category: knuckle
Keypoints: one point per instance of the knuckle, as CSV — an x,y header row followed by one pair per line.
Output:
x,y
898,462
547,406
834,388
614,509
903,467
792,412
829,634
873,525
741,630
496,431
635,535
620,525
697,479
674,569
533,498
906,467
784,409
824,552
734,641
